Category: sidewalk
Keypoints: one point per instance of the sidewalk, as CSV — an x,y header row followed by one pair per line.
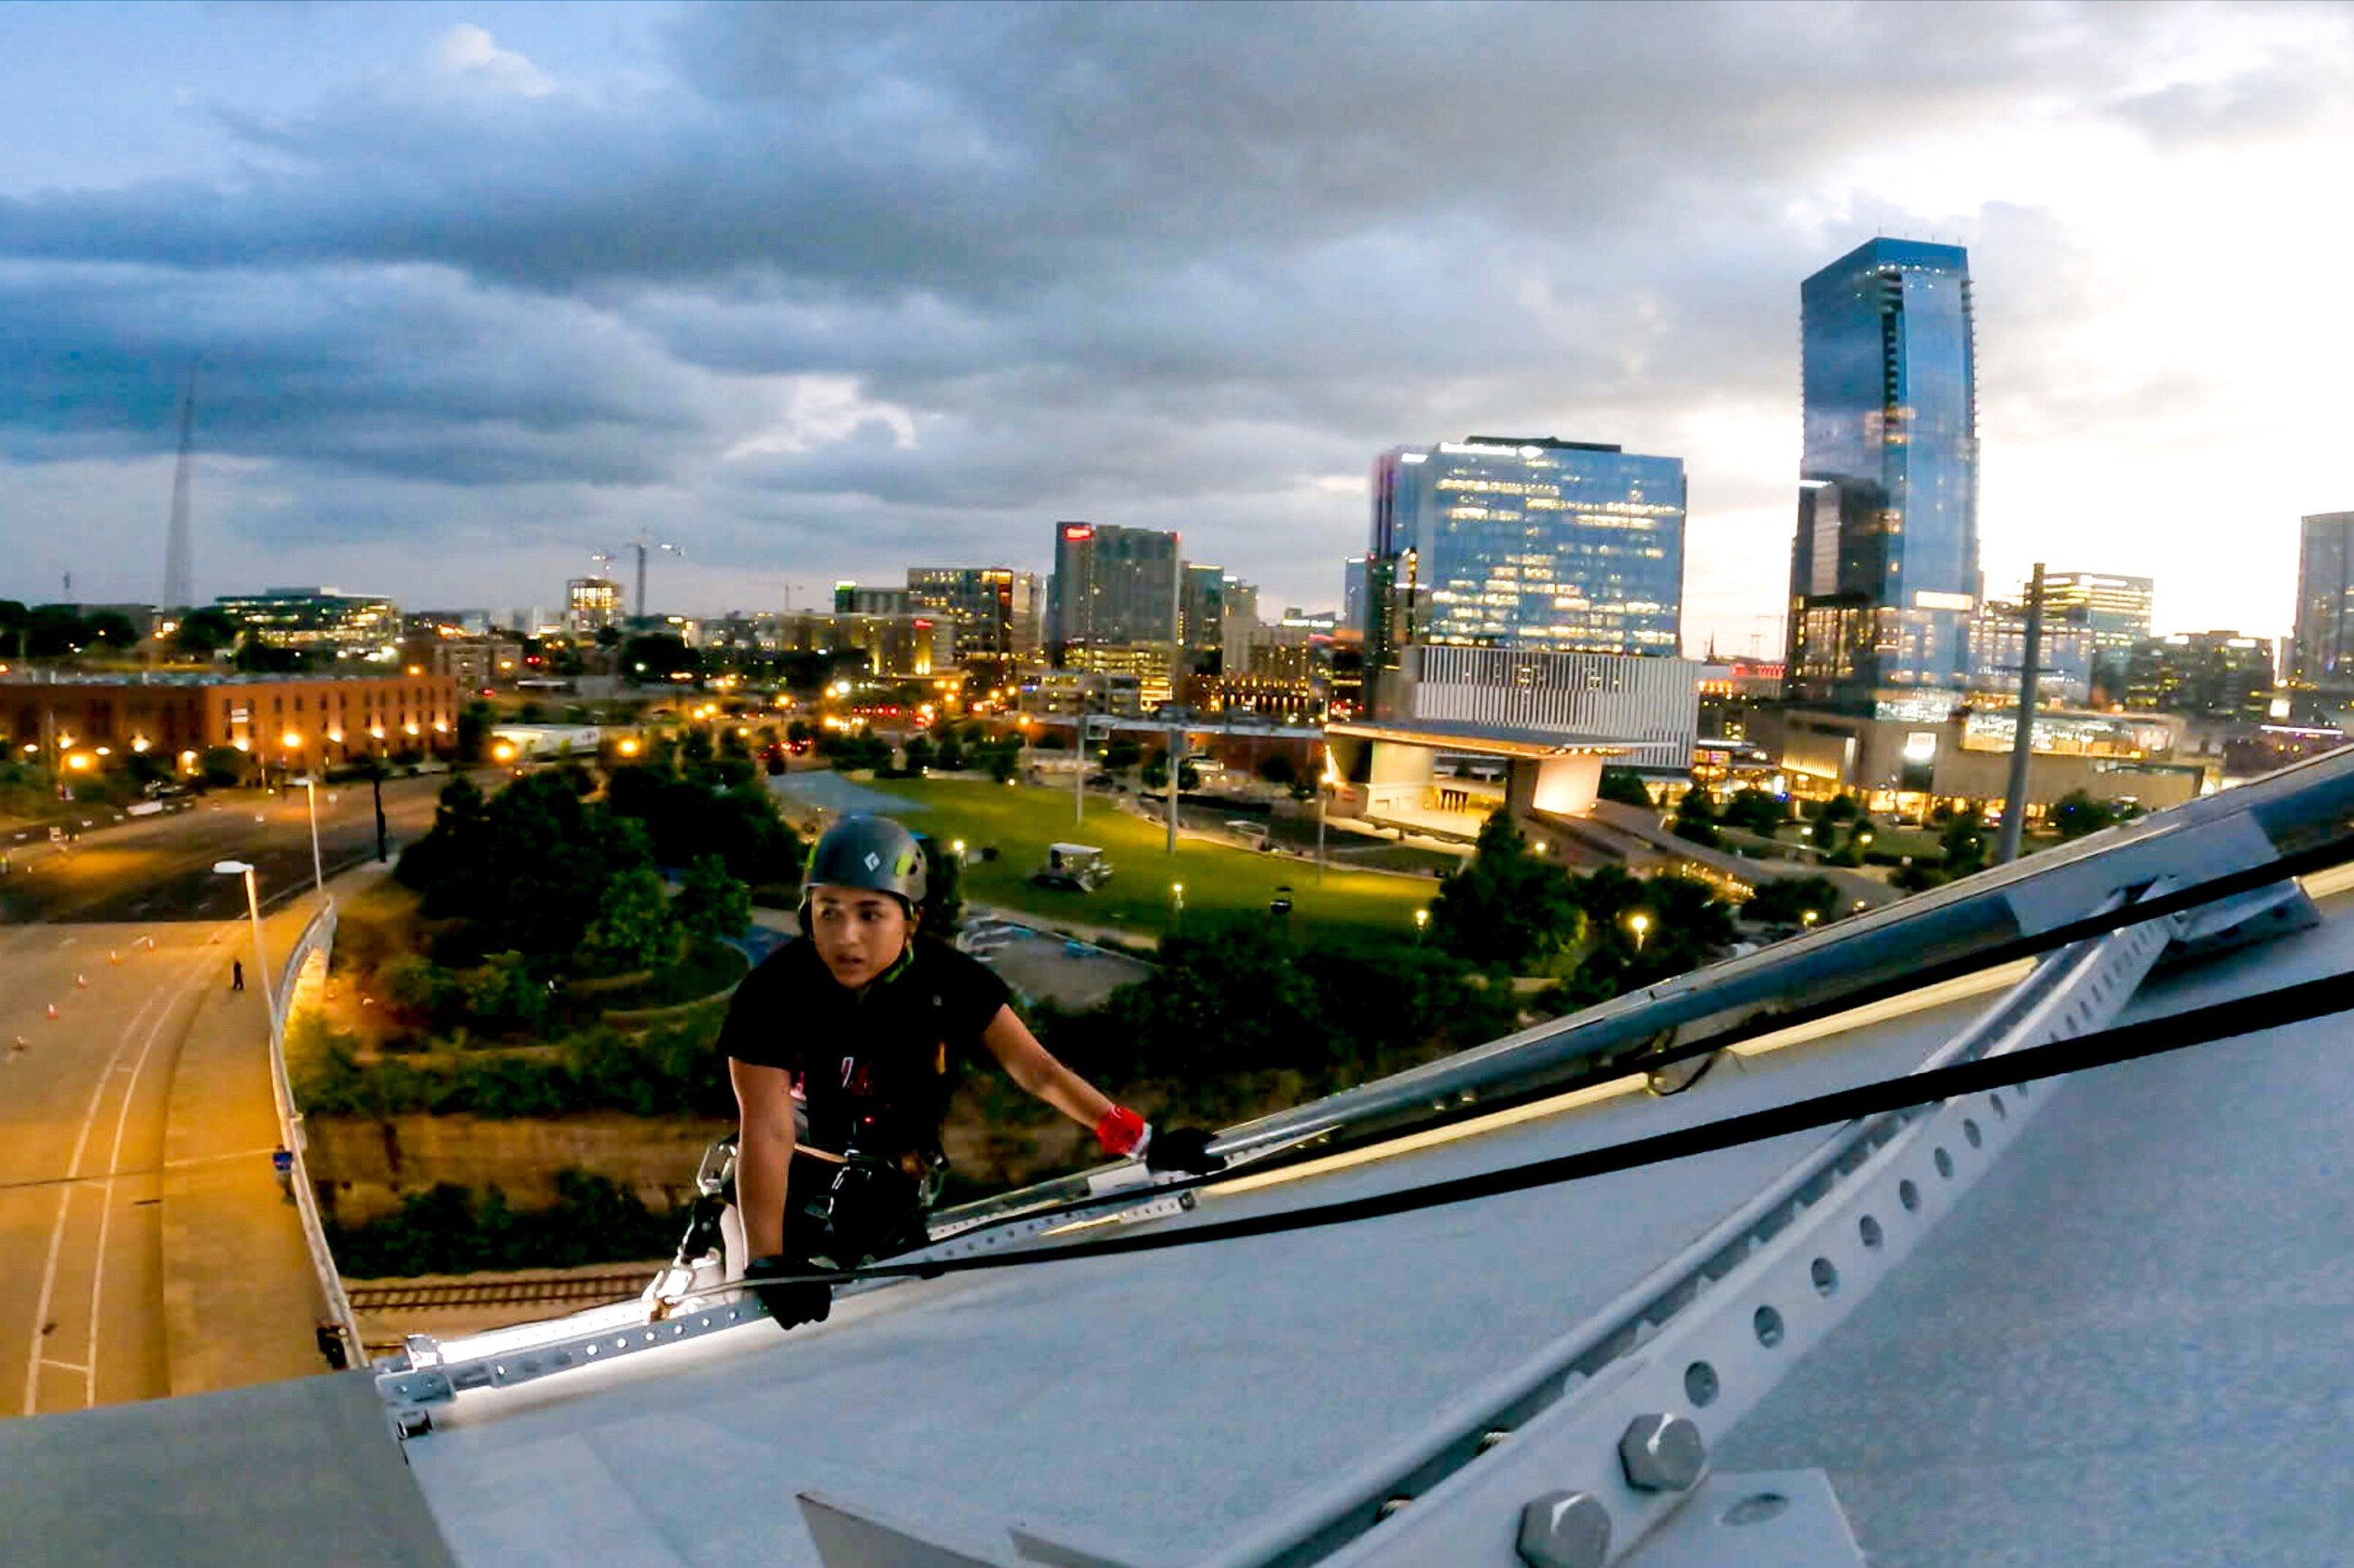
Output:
x,y
240,1303
241,1299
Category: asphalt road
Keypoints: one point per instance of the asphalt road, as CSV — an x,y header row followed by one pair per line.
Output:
x,y
113,960
160,868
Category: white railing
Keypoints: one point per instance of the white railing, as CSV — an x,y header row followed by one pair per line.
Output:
x,y
317,939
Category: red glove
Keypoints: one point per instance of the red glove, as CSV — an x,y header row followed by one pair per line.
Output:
x,y
1122,1131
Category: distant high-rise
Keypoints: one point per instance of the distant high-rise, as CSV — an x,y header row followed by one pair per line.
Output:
x,y
591,604
1114,587
1530,545
1884,569
1202,611
1353,596
2116,610
179,545
995,609
2321,651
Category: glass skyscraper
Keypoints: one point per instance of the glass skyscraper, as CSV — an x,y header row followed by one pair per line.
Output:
x,y
1884,571
2322,654
1528,544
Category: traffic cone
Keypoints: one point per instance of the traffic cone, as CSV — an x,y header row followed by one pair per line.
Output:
x,y
114,958
82,982
53,1009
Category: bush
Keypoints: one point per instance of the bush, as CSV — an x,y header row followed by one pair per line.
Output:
x,y
1623,785
450,1229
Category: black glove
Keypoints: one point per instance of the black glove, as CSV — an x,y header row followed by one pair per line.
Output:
x,y
789,1302
1181,1149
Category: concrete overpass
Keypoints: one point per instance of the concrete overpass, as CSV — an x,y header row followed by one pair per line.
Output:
x,y
2097,1319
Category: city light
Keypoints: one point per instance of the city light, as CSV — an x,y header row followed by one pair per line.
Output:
x,y
1640,923
503,751
629,746
139,743
79,762
290,740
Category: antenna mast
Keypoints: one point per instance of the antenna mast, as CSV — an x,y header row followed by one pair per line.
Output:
x,y
179,584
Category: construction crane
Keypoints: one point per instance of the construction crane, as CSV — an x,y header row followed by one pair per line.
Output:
x,y
644,544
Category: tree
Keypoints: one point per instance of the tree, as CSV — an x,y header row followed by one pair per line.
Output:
x,y
1278,769
1507,906
1758,811
950,758
1122,752
2076,814
653,657
505,996
54,630
632,929
712,905
1155,776
111,629
224,765
474,730
204,633
1695,817
919,754
1966,842
1624,785
1840,808
1785,900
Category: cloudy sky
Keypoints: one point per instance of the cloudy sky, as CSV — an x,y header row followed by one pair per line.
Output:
x,y
822,292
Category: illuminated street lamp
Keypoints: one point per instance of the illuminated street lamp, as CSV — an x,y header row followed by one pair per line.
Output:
x,y
311,793
1421,923
1177,892
1807,917
1640,923
253,908
957,849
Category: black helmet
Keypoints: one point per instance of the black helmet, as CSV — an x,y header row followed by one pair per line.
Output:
x,y
871,852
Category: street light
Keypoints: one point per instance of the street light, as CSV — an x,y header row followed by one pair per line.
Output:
x,y
1421,923
311,793
253,908
957,847
1807,917
1640,923
1177,891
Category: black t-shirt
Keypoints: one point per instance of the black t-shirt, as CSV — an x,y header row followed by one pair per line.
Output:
x,y
875,1062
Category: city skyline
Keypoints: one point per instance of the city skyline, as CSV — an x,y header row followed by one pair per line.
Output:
x,y
457,327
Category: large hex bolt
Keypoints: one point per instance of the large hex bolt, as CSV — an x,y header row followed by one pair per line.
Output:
x,y
1564,1529
1663,1454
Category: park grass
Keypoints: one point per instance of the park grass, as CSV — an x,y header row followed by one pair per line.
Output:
x,y
1021,821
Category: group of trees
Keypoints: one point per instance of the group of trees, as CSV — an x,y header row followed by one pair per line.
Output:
x,y
1235,995
560,883
1605,932
54,631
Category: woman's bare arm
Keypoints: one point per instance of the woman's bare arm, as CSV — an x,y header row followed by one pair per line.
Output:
x,y
764,1153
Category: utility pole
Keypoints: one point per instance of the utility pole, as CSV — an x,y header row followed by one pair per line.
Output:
x,y
1176,674
2006,842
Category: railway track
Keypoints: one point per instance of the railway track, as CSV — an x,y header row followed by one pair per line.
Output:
x,y
584,1288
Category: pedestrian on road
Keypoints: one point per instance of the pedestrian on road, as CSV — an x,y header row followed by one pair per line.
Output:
x,y
237,974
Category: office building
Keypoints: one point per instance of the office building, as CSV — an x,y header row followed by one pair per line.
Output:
x,y
320,621
850,599
1201,614
2064,655
1112,586
994,610
2114,610
2211,674
2322,653
591,604
898,647
1884,569
1524,545
81,723
1353,594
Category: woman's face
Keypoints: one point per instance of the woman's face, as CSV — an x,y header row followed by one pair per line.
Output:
x,y
860,933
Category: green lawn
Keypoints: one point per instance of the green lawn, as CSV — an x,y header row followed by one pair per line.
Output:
x,y
1022,821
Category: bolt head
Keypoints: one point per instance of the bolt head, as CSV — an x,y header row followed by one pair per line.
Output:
x,y
1663,1454
1564,1529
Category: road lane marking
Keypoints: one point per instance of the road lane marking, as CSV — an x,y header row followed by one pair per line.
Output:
x,y
64,1207
62,1366
113,1161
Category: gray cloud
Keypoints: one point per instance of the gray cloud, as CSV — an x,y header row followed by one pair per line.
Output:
x,y
1165,262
